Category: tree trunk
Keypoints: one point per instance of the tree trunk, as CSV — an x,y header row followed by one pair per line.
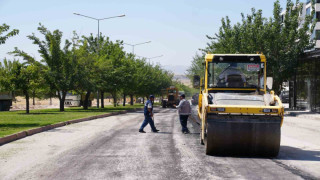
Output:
x,y
86,100
143,100
62,99
131,99
124,99
50,101
33,98
114,96
102,99
27,101
97,99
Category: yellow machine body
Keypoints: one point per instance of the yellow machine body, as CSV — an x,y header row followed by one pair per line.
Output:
x,y
171,97
221,122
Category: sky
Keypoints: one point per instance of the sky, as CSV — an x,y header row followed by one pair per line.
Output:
x,y
176,28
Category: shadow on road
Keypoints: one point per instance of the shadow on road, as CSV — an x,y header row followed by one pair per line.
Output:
x,y
293,153
286,153
164,132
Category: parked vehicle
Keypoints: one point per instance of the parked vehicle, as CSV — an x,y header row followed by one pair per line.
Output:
x,y
5,101
284,96
77,100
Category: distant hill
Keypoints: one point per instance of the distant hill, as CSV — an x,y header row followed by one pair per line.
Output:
x,y
179,73
176,69
183,79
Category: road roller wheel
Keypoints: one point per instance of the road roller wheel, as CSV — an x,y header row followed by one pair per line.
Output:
x,y
164,104
250,137
201,140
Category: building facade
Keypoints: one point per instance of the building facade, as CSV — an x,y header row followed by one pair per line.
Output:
x,y
307,11
304,89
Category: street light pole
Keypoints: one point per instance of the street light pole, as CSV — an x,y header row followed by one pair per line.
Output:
x,y
133,45
151,57
98,40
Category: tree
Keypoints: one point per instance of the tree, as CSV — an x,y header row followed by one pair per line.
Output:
x,y
152,79
38,87
61,63
87,69
282,40
197,67
188,91
19,77
4,28
130,83
112,68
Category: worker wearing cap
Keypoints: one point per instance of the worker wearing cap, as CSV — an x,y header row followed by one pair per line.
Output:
x,y
184,110
148,114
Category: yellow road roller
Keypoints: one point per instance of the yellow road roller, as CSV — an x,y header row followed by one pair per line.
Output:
x,y
239,113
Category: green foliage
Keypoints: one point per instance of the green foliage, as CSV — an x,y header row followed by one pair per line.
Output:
x,y
38,87
80,66
188,91
152,78
60,70
3,37
86,77
6,76
283,41
19,77
197,67
112,66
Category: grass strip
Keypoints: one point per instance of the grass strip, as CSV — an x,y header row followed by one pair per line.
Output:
x,y
16,121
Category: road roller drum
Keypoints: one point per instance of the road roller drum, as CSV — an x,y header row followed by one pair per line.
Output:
x,y
243,135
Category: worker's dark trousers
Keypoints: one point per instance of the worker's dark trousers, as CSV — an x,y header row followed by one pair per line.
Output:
x,y
147,120
183,121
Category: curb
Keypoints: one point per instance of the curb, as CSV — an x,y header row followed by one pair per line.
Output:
x,y
23,134
308,115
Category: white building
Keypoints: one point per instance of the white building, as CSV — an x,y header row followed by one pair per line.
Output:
x,y
307,11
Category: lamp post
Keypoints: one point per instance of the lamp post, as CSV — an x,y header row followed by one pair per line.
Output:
x,y
151,57
133,45
98,40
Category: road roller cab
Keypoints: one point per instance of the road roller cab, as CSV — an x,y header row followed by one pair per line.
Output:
x,y
239,113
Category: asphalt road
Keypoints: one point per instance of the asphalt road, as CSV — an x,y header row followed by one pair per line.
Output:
x,y
112,148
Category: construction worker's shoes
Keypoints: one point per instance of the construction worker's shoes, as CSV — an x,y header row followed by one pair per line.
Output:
x,y
186,132
156,131
141,131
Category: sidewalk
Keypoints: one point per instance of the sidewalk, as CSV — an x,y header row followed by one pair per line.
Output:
x,y
302,114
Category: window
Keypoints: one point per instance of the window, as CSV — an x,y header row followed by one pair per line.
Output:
x,y
317,34
313,35
308,1
234,75
308,11
318,16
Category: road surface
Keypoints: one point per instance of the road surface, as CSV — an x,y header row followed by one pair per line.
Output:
x,y
112,148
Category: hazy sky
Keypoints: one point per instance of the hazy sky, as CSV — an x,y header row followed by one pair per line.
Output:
x,y
177,28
